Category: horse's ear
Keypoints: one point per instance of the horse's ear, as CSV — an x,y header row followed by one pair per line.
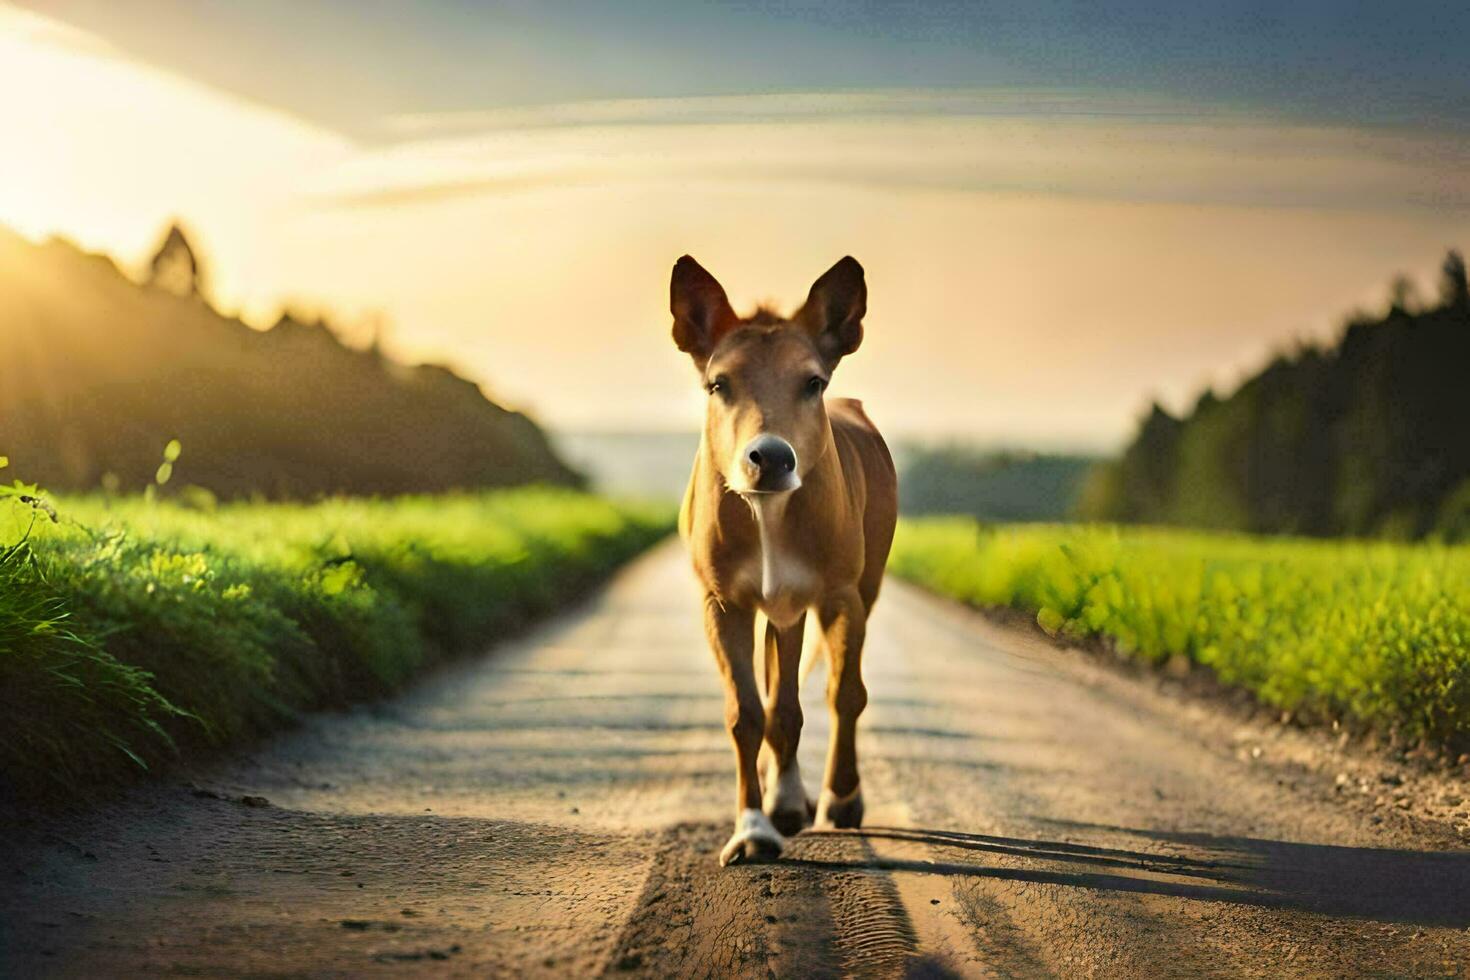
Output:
x,y
834,309
702,313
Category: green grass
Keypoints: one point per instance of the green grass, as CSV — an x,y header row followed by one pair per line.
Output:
x,y
1373,632
133,631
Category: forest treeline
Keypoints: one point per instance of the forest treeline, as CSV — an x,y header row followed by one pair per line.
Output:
x,y
98,373
1367,437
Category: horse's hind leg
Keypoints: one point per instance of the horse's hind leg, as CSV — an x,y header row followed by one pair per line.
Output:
x,y
844,619
785,800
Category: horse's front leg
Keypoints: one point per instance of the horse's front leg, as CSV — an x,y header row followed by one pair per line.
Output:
x,y
731,632
785,800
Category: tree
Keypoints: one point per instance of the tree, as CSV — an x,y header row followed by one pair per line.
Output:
x,y
1454,291
1364,437
1403,296
175,267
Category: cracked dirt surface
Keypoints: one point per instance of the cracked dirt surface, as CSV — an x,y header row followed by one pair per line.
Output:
x,y
555,809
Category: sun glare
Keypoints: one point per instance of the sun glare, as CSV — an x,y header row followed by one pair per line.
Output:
x,y
104,150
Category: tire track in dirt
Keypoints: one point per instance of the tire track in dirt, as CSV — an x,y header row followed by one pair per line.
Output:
x,y
697,919
828,908
872,934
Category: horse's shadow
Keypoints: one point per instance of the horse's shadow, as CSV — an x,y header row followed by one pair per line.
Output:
x,y
1427,888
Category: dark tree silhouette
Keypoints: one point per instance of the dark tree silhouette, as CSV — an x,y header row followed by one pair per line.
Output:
x,y
1454,291
1368,437
1403,295
175,267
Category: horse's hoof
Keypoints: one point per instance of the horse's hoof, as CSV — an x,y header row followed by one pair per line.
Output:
x,y
789,823
786,802
755,840
840,812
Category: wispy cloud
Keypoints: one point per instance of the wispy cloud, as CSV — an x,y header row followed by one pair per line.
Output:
x,y
799,106
1046,142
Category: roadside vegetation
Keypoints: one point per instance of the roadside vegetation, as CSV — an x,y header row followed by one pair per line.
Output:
x,y
1376,633
133,630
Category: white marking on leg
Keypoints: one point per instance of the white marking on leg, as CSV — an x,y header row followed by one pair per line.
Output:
x,y
752,826
784,790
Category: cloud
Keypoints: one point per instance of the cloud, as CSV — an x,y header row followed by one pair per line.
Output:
x,y
794,106
1044,142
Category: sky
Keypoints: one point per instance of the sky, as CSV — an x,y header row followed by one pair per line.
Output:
x,y
1065,210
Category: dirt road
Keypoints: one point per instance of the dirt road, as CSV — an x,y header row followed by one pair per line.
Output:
x,y
555,809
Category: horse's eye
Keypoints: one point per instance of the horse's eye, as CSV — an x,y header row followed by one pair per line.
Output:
x,y
814,385
719,386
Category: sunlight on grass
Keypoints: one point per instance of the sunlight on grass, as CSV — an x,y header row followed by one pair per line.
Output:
x,y
133,629
1372,631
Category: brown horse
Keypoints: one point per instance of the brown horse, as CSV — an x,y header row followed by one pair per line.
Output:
x,y
790,508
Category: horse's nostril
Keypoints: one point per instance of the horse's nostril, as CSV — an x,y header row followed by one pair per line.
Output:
x,y
769,461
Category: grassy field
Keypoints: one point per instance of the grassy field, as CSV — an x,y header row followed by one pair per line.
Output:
x,y
1374,632
132,631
